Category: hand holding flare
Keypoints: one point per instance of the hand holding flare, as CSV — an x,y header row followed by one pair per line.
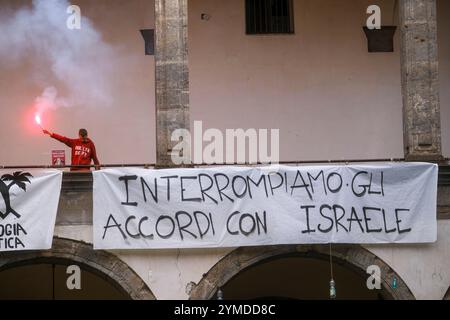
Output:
x,y
37,118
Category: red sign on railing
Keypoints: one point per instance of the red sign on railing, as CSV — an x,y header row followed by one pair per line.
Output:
x,y
58,157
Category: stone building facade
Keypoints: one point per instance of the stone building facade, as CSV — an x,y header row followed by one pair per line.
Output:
x,y
293,271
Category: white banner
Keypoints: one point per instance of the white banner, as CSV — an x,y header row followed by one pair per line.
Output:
x,y
241,206
28,206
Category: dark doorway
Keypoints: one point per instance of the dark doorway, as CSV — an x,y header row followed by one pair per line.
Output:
x,y
297,278
48,281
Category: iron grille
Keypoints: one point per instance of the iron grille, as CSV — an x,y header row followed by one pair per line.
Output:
x,y
269,16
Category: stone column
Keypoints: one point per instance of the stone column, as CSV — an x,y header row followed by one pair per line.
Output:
x,y
420,86
171,75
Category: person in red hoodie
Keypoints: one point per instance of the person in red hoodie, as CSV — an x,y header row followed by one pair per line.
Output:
x,y
83,149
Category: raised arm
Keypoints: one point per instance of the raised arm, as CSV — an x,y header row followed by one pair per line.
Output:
x,y
68,142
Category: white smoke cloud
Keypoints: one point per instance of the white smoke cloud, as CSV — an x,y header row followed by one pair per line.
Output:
x,y
49,99
74,67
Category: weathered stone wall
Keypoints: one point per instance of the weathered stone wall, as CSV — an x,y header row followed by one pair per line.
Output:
x,y
171,74
420,80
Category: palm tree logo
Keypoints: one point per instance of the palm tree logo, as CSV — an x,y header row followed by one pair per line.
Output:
x,y
19,179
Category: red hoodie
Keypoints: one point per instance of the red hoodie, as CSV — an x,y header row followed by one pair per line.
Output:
x,y
82,152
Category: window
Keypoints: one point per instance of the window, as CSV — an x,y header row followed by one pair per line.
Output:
x,y
269,16
149,38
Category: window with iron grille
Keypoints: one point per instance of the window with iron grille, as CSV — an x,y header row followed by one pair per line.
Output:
x,y
269,16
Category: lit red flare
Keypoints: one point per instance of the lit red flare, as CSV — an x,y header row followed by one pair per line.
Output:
x,y
37,118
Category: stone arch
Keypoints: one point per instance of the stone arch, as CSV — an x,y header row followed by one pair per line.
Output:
x,y
99,262
447,295
354,257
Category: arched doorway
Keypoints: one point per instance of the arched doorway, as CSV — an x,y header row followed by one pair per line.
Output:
x,y
241,272
47,280
105,275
